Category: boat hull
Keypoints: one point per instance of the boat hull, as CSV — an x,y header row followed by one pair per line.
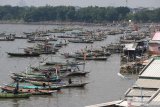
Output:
x,y
10,95
24,54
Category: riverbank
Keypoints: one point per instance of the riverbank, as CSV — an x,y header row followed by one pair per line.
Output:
x,y
59,23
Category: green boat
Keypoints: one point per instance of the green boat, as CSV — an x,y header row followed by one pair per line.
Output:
x,y
55,87
29,75
11,95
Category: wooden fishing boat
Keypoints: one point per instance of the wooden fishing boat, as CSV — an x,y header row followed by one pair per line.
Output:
x,y
20,37
31,74
7,37
92,58
11,95
21,79
76,73
53,87
40,75
34,91
60,84
66,36
55,63
69,55
114,48
41,51
61,44
52,69
35,75
48,52
41,83
27,75
81,41
98,39
100,58
42,39
93,53
75,85
24,54
3,39
69,63
43,48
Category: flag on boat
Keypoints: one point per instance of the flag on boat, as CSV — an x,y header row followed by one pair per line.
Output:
x,y
84,55
57,70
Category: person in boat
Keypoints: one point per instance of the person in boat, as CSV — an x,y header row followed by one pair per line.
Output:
x,y
69,81
50,74
95,55
47,75
86,48
49,87
60,42
44,85
36,88
15,91
75,68
65,41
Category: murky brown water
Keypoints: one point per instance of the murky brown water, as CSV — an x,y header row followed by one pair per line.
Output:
x,y
105,85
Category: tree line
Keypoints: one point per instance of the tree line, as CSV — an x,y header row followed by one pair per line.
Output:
x,y
76,14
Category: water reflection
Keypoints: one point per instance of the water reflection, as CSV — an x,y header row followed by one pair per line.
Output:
x,y
15,102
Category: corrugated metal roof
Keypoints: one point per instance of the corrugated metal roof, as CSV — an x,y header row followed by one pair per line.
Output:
x,y
154,42
156,36
153,69
137,92
148,83
155,100
129,104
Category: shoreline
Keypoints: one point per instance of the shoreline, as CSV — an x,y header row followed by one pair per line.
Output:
x,y
57,23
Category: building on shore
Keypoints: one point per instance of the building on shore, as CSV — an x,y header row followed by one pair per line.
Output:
x,y
154,44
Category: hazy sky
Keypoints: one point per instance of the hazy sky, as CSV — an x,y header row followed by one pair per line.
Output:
x,y
83,3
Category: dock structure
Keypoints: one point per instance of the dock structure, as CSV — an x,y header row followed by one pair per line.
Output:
x,y
107,104
147,86
145,91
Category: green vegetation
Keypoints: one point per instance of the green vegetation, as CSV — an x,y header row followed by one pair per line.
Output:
x,y
73,14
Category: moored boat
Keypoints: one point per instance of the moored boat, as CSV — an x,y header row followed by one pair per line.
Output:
x,y
34,91
51,69
76,73
62,85
35,79
9,37
42,83
92,58
75,85
53,87
67,63
81,41
24,54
